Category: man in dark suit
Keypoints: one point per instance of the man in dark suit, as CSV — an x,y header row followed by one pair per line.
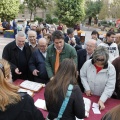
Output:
x,y
17,53
37,62
72,40
85,54
14,27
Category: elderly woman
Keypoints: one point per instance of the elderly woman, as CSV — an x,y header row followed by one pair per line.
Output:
x,y
98,76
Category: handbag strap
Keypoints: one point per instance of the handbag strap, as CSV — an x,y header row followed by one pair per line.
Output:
x,y
65,102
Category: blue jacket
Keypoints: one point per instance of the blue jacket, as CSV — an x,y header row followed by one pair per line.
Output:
x,y
81,55
37,61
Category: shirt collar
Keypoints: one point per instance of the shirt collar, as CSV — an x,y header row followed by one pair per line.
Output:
x,y
21,48
33,45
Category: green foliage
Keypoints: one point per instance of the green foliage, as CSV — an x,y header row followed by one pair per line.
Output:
x,y
70,12
48,19
103,22
38,19
55,20
9,9
21,8
93,8
32,5
104,12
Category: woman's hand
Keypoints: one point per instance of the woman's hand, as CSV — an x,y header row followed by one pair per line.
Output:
x,y
101,105
88,93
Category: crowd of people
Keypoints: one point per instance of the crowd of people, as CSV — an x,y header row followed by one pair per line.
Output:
x,y
58,60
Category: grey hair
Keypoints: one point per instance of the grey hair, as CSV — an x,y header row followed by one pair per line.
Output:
x,y
101,51
20,34
31,31
42,39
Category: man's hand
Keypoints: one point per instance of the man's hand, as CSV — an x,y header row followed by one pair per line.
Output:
x,y
69,41
51,78
17,71
35,72
101,105
88,93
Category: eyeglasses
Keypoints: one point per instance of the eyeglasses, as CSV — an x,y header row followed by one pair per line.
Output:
x,y
98,59
2,68
32,36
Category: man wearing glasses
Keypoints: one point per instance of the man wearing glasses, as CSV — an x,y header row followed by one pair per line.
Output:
x,y
85,54
37,62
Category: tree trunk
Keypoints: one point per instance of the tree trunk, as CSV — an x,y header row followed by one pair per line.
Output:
x,y
89,20
30,15
35,13
95,20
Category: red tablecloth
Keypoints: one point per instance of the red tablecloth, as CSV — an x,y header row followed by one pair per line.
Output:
x,y
110,103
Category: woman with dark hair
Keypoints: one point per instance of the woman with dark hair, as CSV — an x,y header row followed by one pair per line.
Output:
x,y
38,31
14,105
98,76
95,36
56,89
113,114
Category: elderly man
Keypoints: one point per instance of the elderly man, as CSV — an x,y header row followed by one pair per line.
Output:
x,y
33,27
18,54
37,62
57,52
32,41
84,55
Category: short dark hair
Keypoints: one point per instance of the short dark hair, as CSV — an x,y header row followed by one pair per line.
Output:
x,y
109,34
94,32
57,35
70,31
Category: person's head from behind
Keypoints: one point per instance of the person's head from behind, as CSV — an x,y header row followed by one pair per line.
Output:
x,y
101,56
66,74
117,38
20,39
28,22
8,92
42,45
38,30
32,37
90,46
33,27
95,35
110,37
44,31
4,20
113,114
111,30
58,39
70,32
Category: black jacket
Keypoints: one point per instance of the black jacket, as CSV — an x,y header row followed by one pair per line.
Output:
x,y
81,54
37,61
78,45
10,53
23,110
75,106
